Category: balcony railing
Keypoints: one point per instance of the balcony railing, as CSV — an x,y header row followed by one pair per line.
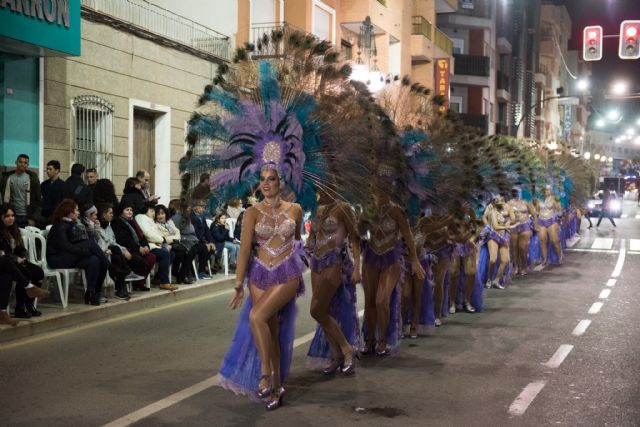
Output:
x,y
480,121
422,26
502,129
443,41
152,21
502,81
472,65
262,36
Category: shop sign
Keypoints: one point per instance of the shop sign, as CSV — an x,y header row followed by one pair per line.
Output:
x,y
442,81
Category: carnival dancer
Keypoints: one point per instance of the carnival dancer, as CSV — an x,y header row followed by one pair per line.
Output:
x,y
382,274
463,267
548,226
498,218
333,246
520,232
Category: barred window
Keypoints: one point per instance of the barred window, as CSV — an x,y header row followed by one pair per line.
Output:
x,y
92,133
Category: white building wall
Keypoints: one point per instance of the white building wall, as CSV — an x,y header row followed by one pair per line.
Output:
x,y
219,15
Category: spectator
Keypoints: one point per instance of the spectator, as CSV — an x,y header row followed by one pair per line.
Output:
x,y
143,177
222,239
75,188
132,195
52,190
205,239
237,231
129,235
158,247
104,193
28,276
182,220
605,209
118,255
184,255
69,247
91,176
21,189
234,208
174,207
202,191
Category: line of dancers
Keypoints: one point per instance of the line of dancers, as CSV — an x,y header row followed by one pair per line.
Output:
x,y
402,200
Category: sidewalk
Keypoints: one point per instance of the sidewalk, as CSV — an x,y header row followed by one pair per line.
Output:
x,y
55,317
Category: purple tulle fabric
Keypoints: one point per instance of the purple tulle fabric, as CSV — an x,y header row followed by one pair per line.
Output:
x,y
477,295
464,249
327,260
263,277
382,261
489,233
426,318
521,228
546,222
342,309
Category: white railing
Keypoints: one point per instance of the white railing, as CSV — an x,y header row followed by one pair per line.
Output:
x,y
162,22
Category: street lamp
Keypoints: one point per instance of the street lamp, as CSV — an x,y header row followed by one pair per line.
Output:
x,y
631,131
587,155
619,88
600,123
583,84
596,156
610,159
613,115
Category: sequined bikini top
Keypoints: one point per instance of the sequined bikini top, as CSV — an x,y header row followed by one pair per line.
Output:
x,y
326,230
547,205
272,225
386,225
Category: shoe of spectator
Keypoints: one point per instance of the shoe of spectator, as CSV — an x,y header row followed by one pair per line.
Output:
x,y
5,319
185,281
168,287
103,299
31,309
142,289
22,313
204,275
36,292
192,279
133,277
123,294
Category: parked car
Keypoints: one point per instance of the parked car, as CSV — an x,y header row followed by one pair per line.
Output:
x,y
594,205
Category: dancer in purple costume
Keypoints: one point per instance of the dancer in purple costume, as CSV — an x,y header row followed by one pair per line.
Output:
x,y
335,270
270,264
464,265
498,217
382,274
520,233
548,227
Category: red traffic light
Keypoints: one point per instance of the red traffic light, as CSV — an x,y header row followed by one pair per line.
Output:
x,y
629,47
592,35
631,31
592,43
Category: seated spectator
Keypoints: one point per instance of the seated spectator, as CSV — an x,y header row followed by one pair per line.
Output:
x,y
104,192
75,187
132,195
234,208
164,256
118,255
129,235
202,191
222,239
183,254
52,190
28,276
144,178
205,239
68,246
188,236
237,231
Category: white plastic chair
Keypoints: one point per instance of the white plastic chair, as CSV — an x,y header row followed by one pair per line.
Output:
x,y
62,275
231,222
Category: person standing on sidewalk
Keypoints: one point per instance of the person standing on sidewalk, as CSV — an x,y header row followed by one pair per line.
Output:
x,y
51,190
21,188
607,198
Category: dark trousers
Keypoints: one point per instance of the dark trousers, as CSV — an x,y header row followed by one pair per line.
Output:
x,y
95,265
9,273
607,213
119,268
164,259
142,265
204,255
33,274
182,261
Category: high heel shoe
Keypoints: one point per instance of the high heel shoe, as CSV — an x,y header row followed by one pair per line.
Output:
x,y
382,349
469,308
413,333
334,367
264,392
349,367
369,349
276,400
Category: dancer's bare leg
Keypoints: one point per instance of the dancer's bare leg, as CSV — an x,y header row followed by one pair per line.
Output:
x,y
370,278
515,250
542,233
438,296
554,236
470,263
454,276
524,239
504,261
492,245
387,283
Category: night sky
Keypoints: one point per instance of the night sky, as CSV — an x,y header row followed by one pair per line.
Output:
x,y
609,14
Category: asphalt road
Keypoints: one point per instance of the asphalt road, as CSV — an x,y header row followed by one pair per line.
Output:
x,y
471,372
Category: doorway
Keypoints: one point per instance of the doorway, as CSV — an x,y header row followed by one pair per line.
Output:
x,y
144,144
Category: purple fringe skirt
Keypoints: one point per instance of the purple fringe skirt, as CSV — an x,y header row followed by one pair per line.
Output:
x,y
489,233
546,222
521,228
342,308
263,276
382,261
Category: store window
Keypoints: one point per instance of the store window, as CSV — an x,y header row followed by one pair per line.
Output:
x,y
323,21
92,133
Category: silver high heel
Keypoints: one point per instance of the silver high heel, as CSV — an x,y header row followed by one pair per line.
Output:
x,y
349,368
334,367
469,308
276,401
264,392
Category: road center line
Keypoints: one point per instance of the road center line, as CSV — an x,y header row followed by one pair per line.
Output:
x,y
595,308
618,269
611,282
558,357
604,294
522,402
581,328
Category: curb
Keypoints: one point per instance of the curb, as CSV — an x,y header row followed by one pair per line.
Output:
x,y
51,321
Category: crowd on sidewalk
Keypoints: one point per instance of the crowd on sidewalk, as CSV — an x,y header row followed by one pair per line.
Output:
x,y
87,227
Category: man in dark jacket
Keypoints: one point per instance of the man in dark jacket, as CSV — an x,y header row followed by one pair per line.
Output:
x,y
132,195
205,239
52,191
76,189
129,235
21,188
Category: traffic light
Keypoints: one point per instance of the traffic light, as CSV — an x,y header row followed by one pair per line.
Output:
x,y
629,44
592,43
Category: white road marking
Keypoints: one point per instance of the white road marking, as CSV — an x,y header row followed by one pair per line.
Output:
x,y
623,216
558,357
599,251
572,242
611,282
634,252
178,397
637,216
595,308
604,294
618,269
581,328
522,402
602,243
634,244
